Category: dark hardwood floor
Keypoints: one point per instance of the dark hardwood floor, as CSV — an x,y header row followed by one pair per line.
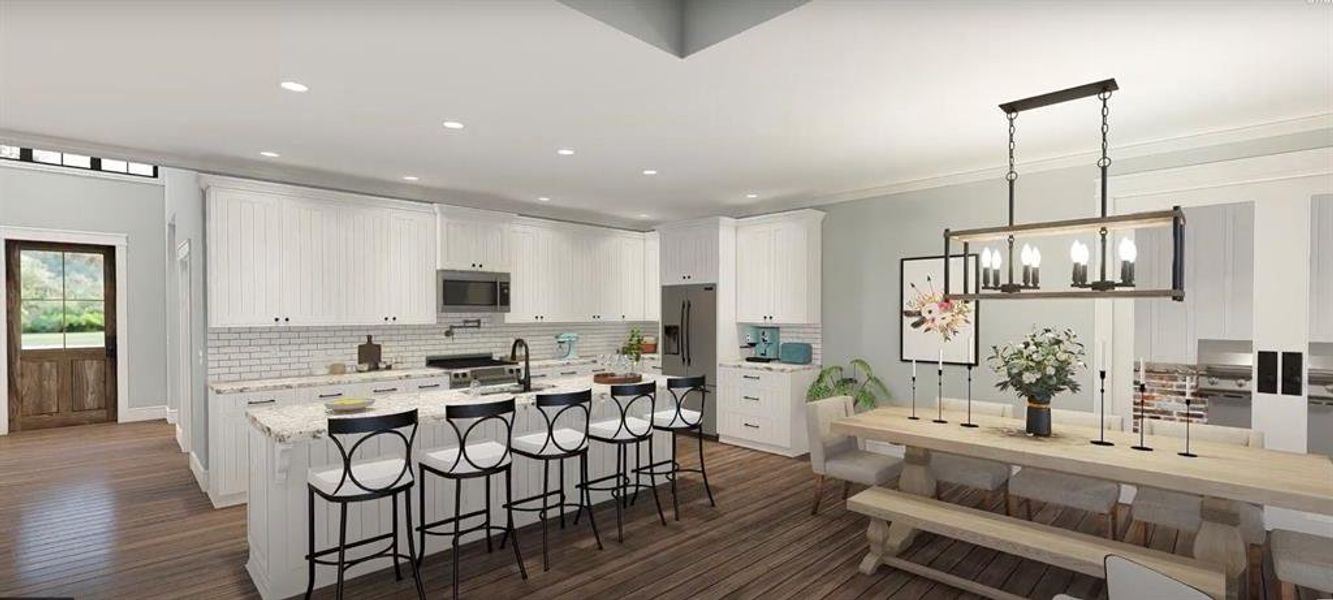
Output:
x,y
112,511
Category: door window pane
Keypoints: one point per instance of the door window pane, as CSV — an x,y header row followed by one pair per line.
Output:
x,y
43,324
43,275
85,324
83,276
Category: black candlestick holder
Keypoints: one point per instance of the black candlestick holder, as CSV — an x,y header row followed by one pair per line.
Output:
x,y
969,422
939,397
1188,418
914,417
1101,440
1143,446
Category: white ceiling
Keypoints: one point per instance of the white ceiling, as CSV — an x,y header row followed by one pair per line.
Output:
x,y
834,97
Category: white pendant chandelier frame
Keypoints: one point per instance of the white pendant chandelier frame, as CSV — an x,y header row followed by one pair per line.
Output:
x,y
987,284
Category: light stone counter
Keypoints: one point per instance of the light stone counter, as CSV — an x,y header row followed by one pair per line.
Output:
x,y
290,383
773,367
288,424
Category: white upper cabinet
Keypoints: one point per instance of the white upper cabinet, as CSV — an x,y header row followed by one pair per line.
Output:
x,y
575,273
473,240
1321,269
652,283
689,252
778,268
288,256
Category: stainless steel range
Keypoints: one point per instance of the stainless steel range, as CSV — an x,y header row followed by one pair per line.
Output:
x,y
484,369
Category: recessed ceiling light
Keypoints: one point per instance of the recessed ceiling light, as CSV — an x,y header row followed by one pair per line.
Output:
x,y
649,172
643,215
453,125
269,154
752,195
293,86
565,151
410,178
543,199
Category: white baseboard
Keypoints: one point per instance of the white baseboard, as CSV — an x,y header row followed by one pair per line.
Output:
x,y
142,413
170,414
780,450
200,473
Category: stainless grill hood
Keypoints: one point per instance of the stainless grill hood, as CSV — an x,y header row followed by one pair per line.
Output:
x,y
1225,367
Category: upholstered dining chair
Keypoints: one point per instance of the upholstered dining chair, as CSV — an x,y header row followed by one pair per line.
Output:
x,y
987,475
1128,580
1184,512
840,456
1302,559
1096,496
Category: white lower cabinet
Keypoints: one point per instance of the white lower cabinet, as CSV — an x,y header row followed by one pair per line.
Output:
x,y
763,410
228,438
228,428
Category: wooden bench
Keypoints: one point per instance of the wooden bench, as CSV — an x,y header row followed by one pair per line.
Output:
x,y
1071,550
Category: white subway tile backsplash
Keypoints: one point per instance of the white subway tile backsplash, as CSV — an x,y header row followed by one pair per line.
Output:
x,y
244,353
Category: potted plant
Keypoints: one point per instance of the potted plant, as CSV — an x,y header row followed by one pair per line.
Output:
x,y
1042,365
633,347
836,381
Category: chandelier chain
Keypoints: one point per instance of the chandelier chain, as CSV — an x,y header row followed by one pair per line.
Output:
x,y
1105,161
1012,174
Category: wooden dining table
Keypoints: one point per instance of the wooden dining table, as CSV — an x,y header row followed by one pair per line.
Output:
x,y
1222,474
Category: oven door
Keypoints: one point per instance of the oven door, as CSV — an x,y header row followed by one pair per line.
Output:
x,y
472,291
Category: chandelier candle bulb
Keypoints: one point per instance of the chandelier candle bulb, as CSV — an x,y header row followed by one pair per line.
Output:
x,y
1036,267
1128,253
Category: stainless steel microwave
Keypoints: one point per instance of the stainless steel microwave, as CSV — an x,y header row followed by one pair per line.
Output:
x,y
471,291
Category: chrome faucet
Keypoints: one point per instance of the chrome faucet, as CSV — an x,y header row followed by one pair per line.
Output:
x,y
524,380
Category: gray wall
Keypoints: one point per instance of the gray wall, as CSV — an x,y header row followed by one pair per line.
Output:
x,y
184,208
31,198
864,240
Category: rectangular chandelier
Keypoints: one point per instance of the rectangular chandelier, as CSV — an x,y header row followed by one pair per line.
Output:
x,y
997,280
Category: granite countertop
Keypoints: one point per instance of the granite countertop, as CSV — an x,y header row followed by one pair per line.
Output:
x,y
288,383
773,367
399,374
289,424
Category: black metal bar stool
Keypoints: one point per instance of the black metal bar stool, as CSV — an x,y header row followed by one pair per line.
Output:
x,y
471,459
556,443
624,431
363,481
678,419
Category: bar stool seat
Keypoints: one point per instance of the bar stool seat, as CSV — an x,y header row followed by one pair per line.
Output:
x,y
493,455
613,430
671,419
374,474
536,444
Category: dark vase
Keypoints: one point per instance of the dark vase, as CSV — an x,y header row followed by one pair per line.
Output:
x,y
1039,418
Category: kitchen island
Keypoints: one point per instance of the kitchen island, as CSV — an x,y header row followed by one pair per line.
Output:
x,y
286,441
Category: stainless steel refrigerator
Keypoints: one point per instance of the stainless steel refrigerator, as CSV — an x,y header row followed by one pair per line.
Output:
x,y
689,339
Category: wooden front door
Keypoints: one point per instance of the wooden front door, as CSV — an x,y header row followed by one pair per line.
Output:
x,y
61,307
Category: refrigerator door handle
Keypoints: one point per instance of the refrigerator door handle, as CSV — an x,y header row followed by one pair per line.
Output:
x,y
689,335
684,335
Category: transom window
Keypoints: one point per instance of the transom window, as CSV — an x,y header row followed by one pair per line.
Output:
x,y
76,161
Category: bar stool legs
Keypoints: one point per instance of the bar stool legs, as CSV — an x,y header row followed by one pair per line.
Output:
x,y
313,556
703,470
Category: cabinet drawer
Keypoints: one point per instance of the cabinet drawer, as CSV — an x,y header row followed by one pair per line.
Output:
x,y
324,394
753,428
434,384
749,377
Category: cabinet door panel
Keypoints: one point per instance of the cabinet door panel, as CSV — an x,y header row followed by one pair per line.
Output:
x,y
753,261
652,283
245,230
790,284
1240,266
631,282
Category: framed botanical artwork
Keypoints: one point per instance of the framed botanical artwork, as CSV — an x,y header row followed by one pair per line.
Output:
x,y
930,324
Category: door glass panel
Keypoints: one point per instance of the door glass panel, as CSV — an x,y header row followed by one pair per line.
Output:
x,y
83,276
42,324
61,297
43,275
85,324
